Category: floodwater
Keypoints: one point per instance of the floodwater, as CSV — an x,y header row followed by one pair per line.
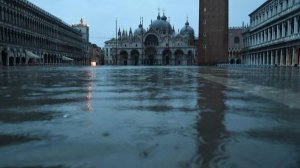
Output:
x,y
150,117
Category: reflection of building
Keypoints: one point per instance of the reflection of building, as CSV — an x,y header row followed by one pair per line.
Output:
x,y
213,32
273,37
235,44
159,45
28,34
210,124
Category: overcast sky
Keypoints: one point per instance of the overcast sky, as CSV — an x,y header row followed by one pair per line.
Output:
x,y
101,14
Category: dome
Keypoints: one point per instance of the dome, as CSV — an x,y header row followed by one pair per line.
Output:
x,y
139,31
162,25
187,29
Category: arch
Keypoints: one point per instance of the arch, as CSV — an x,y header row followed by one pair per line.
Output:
x,y
237,40
135,57
232,61
124,57
4,56
18,58
167,54
11,58
179,57
151,40
190,58
238,61
150,56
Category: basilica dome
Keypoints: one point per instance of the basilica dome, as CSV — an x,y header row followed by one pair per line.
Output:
x,y
139,31
161,25
187,30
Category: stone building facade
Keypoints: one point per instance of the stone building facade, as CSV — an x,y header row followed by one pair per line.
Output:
x,y
213,32
87,46
28,34
158,45
235,44
273,37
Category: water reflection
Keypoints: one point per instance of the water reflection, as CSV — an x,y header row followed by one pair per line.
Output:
x,y
212,132
7,140
92,76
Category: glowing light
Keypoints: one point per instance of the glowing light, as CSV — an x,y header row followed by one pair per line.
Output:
x,y
94,64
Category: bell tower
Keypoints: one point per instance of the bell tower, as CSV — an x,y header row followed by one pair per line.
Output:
x,y
213,32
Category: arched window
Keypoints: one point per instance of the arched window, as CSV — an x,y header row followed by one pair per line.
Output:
x,y
236,40
151,40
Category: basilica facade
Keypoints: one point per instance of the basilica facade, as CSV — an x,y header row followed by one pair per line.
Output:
x,y
158,45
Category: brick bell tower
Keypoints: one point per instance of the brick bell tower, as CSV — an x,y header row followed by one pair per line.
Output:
x,y
213,32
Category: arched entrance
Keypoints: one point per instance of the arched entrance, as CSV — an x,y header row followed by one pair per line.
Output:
x,y
4,58
18,60
11,61
150,56
135,57
23,60
189,59
238,61
232,61
124,57
167,54
179,57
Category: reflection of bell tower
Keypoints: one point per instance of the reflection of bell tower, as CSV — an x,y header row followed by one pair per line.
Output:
x,y
213,32
210,126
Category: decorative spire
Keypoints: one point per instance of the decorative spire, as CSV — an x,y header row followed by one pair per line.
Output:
x,y
187,21
164,18
81,21
119,33
130,32
158,17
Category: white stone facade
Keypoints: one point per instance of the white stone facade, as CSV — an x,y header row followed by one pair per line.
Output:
x,y
273,37
159,45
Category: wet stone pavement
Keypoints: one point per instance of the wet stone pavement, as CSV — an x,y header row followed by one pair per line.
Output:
x,y
150,117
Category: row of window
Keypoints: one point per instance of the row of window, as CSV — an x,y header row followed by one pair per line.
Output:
x,y
283,29
28,20
20,38
271,9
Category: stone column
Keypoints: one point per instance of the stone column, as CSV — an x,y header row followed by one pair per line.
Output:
x,y
289,32
287,57
296,25
283,29
281,57
294,56
276,57
263,58
273,33
268,58
278,32
272,57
